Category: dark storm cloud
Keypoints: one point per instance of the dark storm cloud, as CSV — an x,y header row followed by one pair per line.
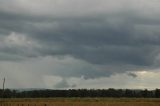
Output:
x,y
125,40
101,43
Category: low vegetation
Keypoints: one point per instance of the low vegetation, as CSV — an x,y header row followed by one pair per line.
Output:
x,y
80,97
46,93
81,102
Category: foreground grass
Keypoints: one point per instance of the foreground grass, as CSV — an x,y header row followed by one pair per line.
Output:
x,y
80,102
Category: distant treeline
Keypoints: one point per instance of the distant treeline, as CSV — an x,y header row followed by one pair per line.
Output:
x,y
80,93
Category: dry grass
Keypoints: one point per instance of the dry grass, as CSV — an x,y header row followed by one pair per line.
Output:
x,y
81,102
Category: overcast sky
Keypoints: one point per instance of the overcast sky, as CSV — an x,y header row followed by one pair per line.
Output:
x,y
80,43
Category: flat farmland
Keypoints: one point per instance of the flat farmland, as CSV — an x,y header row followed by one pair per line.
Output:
x,y
81,102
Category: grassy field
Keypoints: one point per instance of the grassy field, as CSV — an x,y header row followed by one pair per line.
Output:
x,y
81,102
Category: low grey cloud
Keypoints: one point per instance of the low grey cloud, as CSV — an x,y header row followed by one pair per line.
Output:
x,y
105,36
64,84
132,75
